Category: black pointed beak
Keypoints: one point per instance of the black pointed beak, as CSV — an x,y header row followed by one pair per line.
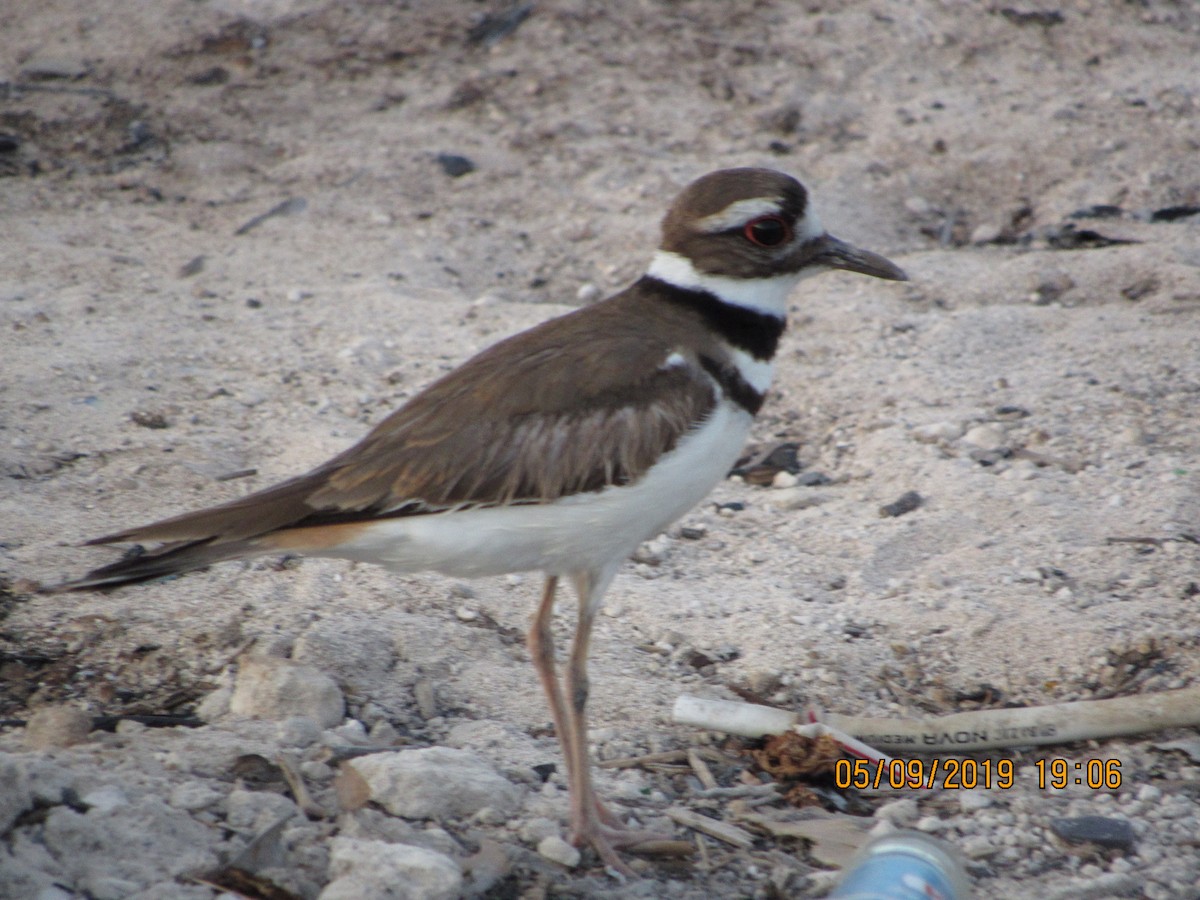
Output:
x,y
837,254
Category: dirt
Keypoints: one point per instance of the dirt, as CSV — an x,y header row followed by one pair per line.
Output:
x,y
166,344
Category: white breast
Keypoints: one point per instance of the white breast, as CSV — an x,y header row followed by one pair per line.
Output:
x,y
584,531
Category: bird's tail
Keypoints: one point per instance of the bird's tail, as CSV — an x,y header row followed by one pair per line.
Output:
x,y
139,564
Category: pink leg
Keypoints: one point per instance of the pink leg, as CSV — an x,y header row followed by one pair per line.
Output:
x,y
591,822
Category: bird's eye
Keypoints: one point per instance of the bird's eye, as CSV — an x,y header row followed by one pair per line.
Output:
x,y
768,231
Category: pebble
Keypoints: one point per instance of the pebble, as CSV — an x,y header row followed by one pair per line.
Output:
x,y
986,233
794,498
986,436
57,726
1107,832
537,829
435,783
973,801
272,688
105,799
936,432
374,870
557,850
784,480
587,293
899,812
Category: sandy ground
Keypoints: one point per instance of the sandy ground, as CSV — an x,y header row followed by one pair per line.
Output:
x,y
1036,383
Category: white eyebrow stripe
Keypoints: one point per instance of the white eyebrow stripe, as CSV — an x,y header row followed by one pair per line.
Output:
x,y
738,213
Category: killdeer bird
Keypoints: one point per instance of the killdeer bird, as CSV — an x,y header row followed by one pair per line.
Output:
x,y
560,449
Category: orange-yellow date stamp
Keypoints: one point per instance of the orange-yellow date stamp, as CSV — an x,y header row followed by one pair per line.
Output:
x,y
969,774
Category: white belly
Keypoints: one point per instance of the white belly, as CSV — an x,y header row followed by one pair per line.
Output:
x,y
584,531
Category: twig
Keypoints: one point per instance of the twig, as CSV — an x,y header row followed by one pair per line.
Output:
x,y
722,831
703,772
630,762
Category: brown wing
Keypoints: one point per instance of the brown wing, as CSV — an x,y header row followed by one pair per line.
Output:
x,y
576,404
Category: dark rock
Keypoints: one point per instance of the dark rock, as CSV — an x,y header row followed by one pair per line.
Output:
x,y
455,166
905,503
1116,834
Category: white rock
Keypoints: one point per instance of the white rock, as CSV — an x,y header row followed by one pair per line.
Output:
x,y
271,688
986,436
784,480
557,850
536,830
973,801
899,812
435,783
374,870
105,799
986,232
931,824
15,795
795,498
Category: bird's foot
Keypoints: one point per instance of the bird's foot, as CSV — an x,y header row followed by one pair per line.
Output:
x,y
605,834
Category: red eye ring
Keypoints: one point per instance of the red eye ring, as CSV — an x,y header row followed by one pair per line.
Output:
x,y
768,231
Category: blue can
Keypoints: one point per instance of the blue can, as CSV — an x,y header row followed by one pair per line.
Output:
x,y
905,865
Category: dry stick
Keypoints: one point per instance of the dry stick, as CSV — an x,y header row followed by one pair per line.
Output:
x,y
629,762
722,831
703,772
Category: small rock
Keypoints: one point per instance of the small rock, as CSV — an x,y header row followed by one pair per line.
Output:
x,y
375,870
1115,834
899,812
537,830
454,165
57,726
973,801
903,504
557,850
105,799
784,480
978,847
426,699
795,498
271,688
435,783
986,436
587,293
986,233
936,432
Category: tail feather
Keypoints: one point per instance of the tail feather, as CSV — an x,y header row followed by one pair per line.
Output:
x,y
140,565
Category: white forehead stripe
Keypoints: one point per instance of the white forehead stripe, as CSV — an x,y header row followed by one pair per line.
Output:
x,y
739,213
